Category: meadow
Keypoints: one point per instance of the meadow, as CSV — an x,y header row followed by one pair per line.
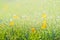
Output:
x,y
29,20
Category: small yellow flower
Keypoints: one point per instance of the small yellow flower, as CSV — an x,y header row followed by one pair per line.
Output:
x,y
44,24
11,23
15,17
33,29
44,21
44,15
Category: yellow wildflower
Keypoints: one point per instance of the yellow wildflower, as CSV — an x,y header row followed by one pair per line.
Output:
x,y
44,15
15,17
44,24
44,21
11,23
33,29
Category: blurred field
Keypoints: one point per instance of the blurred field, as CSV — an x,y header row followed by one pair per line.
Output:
x,y
29,20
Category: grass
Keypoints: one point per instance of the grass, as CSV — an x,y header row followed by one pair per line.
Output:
x,y
24,20
29,30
